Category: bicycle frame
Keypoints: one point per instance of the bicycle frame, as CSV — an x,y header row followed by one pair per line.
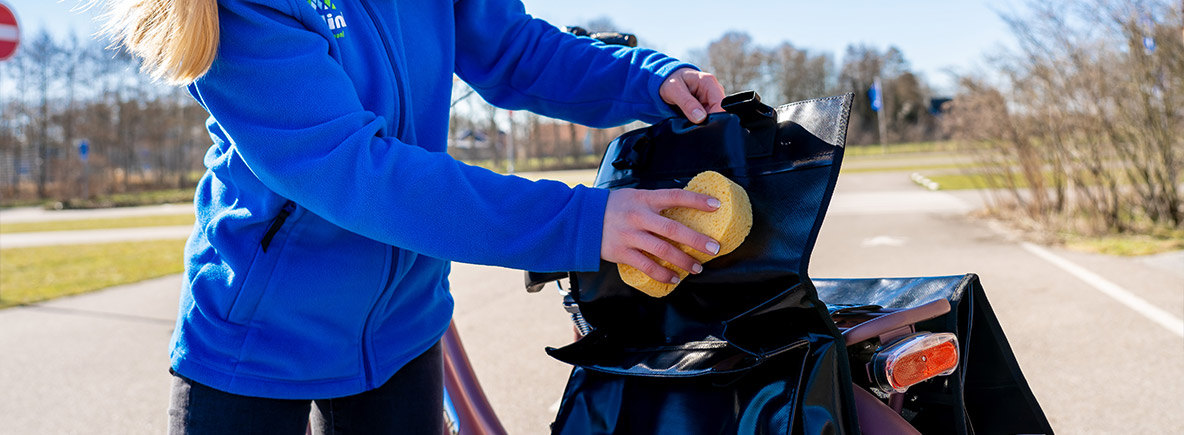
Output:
x,y
466,409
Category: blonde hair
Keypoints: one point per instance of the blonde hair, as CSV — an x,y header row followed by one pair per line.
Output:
x,y
177,39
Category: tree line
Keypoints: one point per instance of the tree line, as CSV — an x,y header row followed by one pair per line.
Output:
x,y
58,93
62,96
1078,129
1083,131
785,73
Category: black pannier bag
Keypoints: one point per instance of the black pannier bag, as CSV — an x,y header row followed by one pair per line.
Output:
x,y
987,393
747,346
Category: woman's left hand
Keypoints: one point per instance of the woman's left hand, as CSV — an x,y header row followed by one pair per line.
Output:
x,y
696,93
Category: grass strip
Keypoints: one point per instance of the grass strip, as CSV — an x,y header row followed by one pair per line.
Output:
x,y
941,167
131,199
967,181
1129,245
98,224
899,148
41,273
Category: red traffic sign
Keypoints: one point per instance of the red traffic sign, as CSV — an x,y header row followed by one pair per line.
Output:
x,y
10,34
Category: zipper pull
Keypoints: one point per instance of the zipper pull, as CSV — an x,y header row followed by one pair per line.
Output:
x,y
276,223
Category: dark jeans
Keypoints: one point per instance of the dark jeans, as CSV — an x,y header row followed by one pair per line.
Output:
x,y
411,402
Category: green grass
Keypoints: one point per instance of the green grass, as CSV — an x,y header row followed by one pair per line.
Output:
x,y
132,199
572,177
1129,244
537,164
13,203
967,181
916,168
40,273
898,148
97,224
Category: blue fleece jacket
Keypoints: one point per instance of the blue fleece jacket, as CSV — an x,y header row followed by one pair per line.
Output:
x,y
329,213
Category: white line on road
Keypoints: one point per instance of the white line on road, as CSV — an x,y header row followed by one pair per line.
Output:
x,y
1161,317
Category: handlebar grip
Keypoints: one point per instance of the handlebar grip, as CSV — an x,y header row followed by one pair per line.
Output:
x,y
536,280
610,38
616,38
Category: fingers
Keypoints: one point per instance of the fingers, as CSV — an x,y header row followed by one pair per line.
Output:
x,y
662,249
650,267
670,198
636,234
696,93
708,91
677,232
655,223
680,95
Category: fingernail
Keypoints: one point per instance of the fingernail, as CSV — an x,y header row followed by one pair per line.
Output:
x,y
697,115
713,248
674,280
697,268
714,203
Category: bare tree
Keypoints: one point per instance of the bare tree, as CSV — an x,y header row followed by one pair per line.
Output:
x,y
735,61
1084,131
798,74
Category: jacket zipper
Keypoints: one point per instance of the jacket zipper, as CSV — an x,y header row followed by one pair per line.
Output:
x,y
390,277
276,224
402,106
390,57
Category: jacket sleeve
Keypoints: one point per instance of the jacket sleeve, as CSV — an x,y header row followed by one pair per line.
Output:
x,y
516,61
293,115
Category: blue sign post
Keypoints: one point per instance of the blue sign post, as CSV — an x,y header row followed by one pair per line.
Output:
x,y
876,95
84,155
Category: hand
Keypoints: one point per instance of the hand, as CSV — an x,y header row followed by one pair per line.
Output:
x,y
633,228
692,91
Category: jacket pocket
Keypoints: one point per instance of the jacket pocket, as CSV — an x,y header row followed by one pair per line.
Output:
x,y
309,323
267,256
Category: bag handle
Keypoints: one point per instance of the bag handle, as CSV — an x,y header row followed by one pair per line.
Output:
x,y
759,118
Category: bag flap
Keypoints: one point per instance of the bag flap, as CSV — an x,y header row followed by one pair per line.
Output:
x,y
789,183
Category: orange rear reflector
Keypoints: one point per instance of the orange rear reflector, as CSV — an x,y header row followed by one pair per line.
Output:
x,y
915,359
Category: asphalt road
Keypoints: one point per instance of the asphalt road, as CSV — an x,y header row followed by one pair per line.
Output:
x,y
96,363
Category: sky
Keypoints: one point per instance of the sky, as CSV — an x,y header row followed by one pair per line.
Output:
x,y
934,35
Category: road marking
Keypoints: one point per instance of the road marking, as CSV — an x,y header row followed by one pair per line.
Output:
x,y
894,202
1161,317
883,241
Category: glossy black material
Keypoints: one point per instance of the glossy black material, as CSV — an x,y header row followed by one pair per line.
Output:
x,y
745,346
748,346
988,392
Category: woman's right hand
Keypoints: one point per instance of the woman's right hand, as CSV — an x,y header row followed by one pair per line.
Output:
x,y
633,228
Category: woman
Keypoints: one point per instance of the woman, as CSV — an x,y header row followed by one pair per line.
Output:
x,y
317,269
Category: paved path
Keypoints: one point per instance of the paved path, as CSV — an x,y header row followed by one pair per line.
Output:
x,y
47,238
96,363
38,214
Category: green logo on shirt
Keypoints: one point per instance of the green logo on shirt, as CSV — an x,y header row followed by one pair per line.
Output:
x,y
333,18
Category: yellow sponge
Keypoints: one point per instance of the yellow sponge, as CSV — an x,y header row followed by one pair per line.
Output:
x,y
728,225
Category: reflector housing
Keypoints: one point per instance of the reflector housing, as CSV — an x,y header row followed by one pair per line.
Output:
x,y
914,359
